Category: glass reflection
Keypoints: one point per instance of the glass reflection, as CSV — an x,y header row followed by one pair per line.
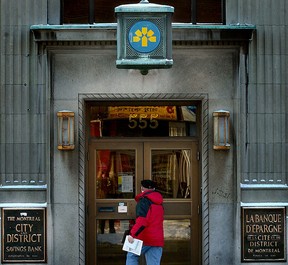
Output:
x,y
171,170
115,174
177,242
177,235
109,241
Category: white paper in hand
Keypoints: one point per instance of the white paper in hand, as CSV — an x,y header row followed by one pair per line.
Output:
x,y
134,247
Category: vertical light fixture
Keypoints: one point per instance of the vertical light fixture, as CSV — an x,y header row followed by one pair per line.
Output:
x,y
221,130
66,120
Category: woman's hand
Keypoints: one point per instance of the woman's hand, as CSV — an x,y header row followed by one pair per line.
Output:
x,y
130,239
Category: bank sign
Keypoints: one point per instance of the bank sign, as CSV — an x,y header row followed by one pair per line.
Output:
x,y
23,235
263,234
144,36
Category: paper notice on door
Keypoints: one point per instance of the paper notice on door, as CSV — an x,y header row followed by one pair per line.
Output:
x,y
134,247
125,183
122,209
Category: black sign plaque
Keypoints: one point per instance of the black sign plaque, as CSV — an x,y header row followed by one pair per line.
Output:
x,y
263,234
23,235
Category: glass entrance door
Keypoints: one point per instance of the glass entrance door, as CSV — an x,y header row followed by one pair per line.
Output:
x,y
116,168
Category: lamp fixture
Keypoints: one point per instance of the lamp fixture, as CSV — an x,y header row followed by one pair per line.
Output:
x,y
66,121
221,130
144,36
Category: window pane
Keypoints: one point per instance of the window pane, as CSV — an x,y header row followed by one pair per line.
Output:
x,y
182,9
75,11
109,241
171,170
104,9
177,249
209,11
177,242
115,174
143,121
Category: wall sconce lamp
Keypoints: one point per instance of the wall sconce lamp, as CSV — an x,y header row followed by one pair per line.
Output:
x,y
66,120
221,130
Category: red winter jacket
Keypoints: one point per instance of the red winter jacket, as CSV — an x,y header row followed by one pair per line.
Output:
x,y
149,219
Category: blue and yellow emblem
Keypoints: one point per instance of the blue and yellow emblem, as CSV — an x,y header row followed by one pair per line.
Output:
x,y
144,36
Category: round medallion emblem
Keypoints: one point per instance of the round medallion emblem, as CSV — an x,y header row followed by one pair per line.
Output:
x,y
144,36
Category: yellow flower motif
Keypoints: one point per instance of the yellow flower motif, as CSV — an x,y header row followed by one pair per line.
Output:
x,y
144,36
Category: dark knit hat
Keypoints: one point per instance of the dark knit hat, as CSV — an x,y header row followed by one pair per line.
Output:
x,y
148,184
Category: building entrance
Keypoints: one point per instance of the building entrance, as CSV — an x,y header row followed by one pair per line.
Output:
x,y
116,168
132,141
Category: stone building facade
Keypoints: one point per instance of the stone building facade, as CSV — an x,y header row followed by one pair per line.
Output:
x,y
240,65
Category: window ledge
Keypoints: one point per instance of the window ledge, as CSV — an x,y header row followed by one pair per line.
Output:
x,y
264,187
264,194
107,32
23,205
264,204
23,187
